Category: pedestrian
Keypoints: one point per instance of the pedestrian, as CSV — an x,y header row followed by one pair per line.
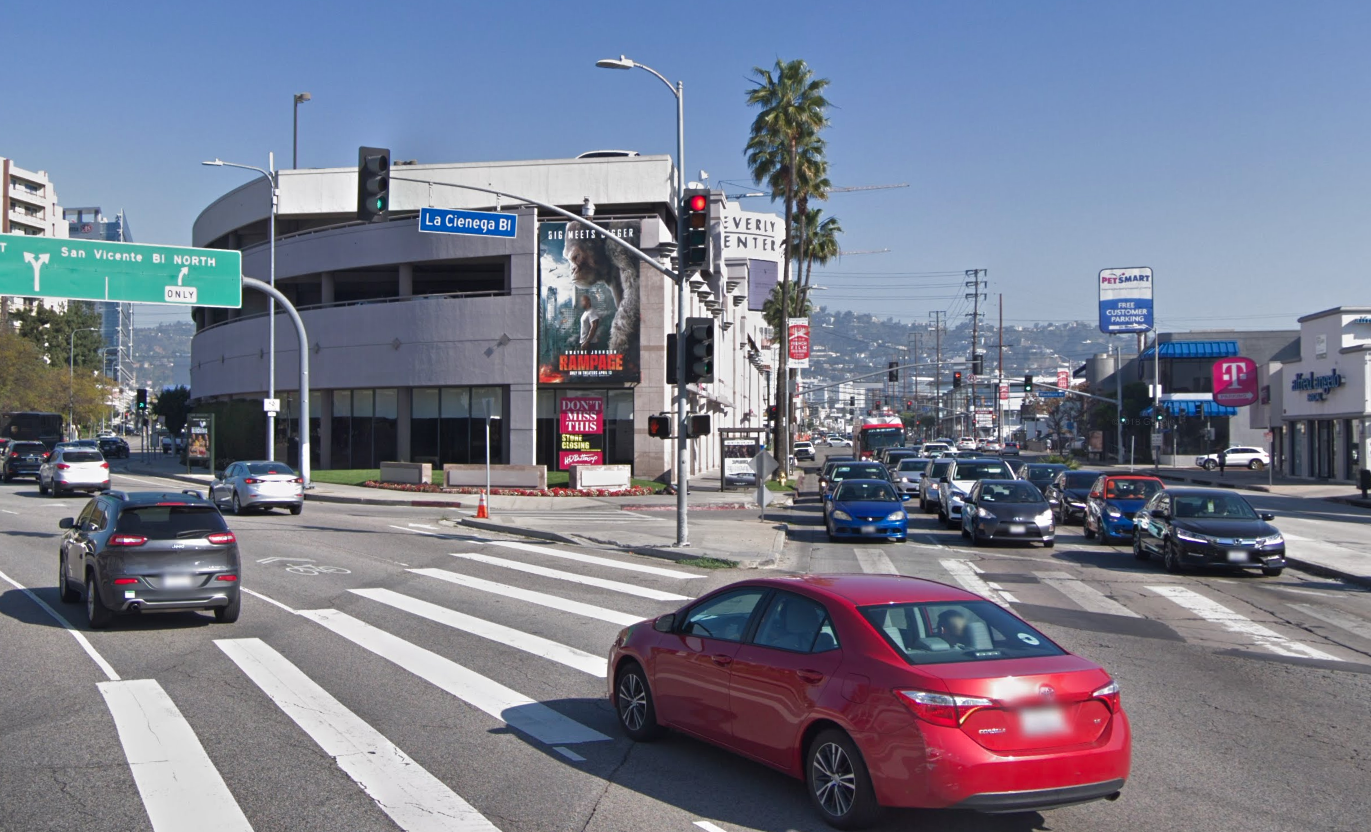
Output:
x,y
1223,460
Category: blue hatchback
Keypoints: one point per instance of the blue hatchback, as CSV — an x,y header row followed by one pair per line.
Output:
x,y
1113,501
866,509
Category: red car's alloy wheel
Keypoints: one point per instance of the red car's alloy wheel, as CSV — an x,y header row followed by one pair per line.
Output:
x,y
835,783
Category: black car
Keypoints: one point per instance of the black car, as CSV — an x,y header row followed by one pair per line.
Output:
x,y
1207,527
149,552
1067,494
831,462
892,456
23,459
1007,510
1041,474
114,448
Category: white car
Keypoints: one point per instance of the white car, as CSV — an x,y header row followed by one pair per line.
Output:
x,y
961,476
840,442
73,468
803,450
1238,456
259,484
966,443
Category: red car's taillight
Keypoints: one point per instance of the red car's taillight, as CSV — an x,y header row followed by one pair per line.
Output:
x,y
127,540
221,538
941,708
1110,694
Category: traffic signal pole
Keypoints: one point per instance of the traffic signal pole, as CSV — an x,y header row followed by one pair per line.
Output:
x,y
682,440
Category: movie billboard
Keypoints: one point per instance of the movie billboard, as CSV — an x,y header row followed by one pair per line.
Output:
x,y
590,324
798,339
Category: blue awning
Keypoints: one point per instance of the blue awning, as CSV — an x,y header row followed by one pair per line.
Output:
x,y
1193,408
1195,349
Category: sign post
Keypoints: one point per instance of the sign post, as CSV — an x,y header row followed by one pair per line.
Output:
x,y
48,267
763,465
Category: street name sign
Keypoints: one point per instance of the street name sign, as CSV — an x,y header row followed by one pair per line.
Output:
x,y
1049,393
51,267
475,223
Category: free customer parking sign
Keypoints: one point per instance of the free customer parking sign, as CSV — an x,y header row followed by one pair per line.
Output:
x,y
1125,300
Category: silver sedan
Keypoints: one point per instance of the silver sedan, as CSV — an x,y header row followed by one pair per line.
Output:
x,y
260,484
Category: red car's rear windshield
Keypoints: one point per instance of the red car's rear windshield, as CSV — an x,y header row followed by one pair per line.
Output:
x,y
963,631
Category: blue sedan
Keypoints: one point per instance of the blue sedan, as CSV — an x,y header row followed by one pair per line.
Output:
x,y
867,509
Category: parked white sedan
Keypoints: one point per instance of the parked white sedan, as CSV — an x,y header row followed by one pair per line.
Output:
x,y
1239,456
260,484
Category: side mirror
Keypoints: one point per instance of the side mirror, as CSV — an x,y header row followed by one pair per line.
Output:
x,y
1095,495
66,523
665,623
1267,515
943,480
218,475
1159,513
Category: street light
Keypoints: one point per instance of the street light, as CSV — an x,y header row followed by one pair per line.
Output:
x,y
295,132
71,373
274,180
682,431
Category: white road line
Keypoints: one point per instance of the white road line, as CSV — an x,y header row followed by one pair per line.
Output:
x,y
180,787
613,586
271,601
405,790
509,706
569,754
1350,623
66,625
598,561
415,531
1088,597
965,574
162,484
623,619
707,826
875,561
7,511
518,639
1237,623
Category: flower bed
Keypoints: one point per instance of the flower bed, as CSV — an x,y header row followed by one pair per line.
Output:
x,y
428,488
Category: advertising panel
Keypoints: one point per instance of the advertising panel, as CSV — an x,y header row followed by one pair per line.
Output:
x,y
200,439
1125,300
590,323
798,339
581,423
762,276
1063,378
1235,382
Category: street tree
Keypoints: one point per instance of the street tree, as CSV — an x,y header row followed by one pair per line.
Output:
x,y
51,332
172,405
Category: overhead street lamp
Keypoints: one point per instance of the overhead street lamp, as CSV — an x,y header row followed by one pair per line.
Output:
x,y
71,373
682,420
295,132
274,180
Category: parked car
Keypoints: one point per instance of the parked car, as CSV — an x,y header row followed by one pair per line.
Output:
x,y
1208,527
1007,509
149,552
1239,456
258,485
113,447
24,459
851,683
1113,501
73,468
1067,494
929,483
908,474
960,476
867,509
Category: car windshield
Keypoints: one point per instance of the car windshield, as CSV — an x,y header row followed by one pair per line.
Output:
x,y
965,631
82,456
1081,479
28,448
1041,474
1128,489
171,522
912,464
873,492
940,467
857,472
1015,492
982,470
1206,506
260,468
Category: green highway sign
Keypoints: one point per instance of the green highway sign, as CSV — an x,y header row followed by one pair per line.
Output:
x,y
49,267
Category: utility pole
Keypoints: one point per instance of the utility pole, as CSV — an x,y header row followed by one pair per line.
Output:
x,y
938,370
999,378
975,297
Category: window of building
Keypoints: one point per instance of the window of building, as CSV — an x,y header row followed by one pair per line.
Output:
x,y
448,425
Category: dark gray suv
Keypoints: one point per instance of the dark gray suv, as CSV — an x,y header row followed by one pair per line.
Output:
x,y
149,552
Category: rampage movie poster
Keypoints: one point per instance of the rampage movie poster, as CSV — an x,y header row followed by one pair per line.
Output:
x,y
590,323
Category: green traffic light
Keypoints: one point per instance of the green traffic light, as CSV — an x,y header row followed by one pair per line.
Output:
x,y
380,205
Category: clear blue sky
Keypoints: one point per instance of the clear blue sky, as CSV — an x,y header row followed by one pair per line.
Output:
x,y
1223,144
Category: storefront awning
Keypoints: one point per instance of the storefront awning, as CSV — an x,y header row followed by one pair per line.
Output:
x,y
1193,408
1194,349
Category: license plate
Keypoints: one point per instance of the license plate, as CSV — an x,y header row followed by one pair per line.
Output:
x,y
1016,528
1237,556
1036,722
176,581
868,529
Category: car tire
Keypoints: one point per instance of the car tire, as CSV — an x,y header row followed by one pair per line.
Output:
x,y
1086,530
295,510
634,706
976,539
98,616
965,533
1210,465
1170,560
237,505
832,762
1255,465
42,489
228,613
64,590
1049,544
1272,571
1138,551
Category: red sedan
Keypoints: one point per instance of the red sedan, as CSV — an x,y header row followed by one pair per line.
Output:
x,y
878,690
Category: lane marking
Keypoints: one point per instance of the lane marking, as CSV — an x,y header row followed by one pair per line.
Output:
x,y
1350,623
7,511
1088,597
967,575
405,790
509,706
613,586
423,526
415,531
623,619
518,639
875,562
66,625
569,754
271,601
707,826
161,484
180,787
598,561
1237,623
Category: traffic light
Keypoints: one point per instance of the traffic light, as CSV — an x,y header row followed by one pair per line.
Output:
x,y
699,424
1028,383
699,350
978,364
908,405
695,210
851,401
373,183
957,378
1123,420
893,371
659,426
772,412
142,401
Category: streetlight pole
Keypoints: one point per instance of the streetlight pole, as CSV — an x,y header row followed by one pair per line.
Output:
x,y
274,180
295,132
71,373
682,420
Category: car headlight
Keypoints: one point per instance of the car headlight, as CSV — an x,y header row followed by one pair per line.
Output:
x,y
1113,512
1193,537
895,515
1273,540
982,514
1044,519
839,514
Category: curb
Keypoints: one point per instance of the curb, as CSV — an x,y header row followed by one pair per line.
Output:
x,y
320,498
1327,571
486,526
664,552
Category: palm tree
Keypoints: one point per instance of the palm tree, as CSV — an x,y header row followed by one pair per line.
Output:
x,y
821,235
795,306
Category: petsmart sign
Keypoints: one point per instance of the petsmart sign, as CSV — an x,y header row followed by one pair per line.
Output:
x,y
475,223
1125,300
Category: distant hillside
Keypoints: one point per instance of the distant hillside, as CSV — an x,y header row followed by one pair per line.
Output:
x,y
161,354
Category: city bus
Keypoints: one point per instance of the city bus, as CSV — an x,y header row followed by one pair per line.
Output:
x,y
872,432
32,427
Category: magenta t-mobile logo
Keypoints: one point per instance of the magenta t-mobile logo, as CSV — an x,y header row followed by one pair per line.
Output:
x,y
1235,381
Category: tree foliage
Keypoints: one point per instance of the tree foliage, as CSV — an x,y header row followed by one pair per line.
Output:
x,y
797,307
173,404
58,334
29,382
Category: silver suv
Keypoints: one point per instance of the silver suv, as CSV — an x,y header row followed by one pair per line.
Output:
x,y
73,468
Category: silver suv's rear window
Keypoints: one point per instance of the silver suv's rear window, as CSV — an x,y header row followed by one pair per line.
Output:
x,y
81,456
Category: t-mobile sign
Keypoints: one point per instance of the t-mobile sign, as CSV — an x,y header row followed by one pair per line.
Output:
x,y
1235,382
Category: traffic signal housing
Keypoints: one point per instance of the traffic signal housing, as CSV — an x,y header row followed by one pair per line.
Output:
x,y
659,426
1028,383
142,401
373,183
695,246
699,350
957,378
772,412
978,364
698,424
893,371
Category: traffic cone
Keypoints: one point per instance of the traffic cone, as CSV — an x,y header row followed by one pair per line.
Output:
x,y
482,513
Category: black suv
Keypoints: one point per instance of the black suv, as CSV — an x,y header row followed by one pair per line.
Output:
x,y
23,459
114,448
149,551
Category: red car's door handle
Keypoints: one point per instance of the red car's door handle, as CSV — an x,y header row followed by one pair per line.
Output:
x,y
813,677
722,660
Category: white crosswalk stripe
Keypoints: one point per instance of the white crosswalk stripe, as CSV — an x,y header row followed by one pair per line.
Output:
x,y
542,599
518,639
875,561
1351,624
592,559
966,574
180,787
1088,597
1234,622
587,580
412,797
513,708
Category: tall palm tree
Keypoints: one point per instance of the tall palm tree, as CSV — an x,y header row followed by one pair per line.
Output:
x,y
823,243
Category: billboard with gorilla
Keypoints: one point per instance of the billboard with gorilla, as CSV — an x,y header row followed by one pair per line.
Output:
x,y
590,323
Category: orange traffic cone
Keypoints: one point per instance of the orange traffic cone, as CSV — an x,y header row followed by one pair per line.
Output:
x,y
482,512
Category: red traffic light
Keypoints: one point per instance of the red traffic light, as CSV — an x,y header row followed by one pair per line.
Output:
x,y
698,202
